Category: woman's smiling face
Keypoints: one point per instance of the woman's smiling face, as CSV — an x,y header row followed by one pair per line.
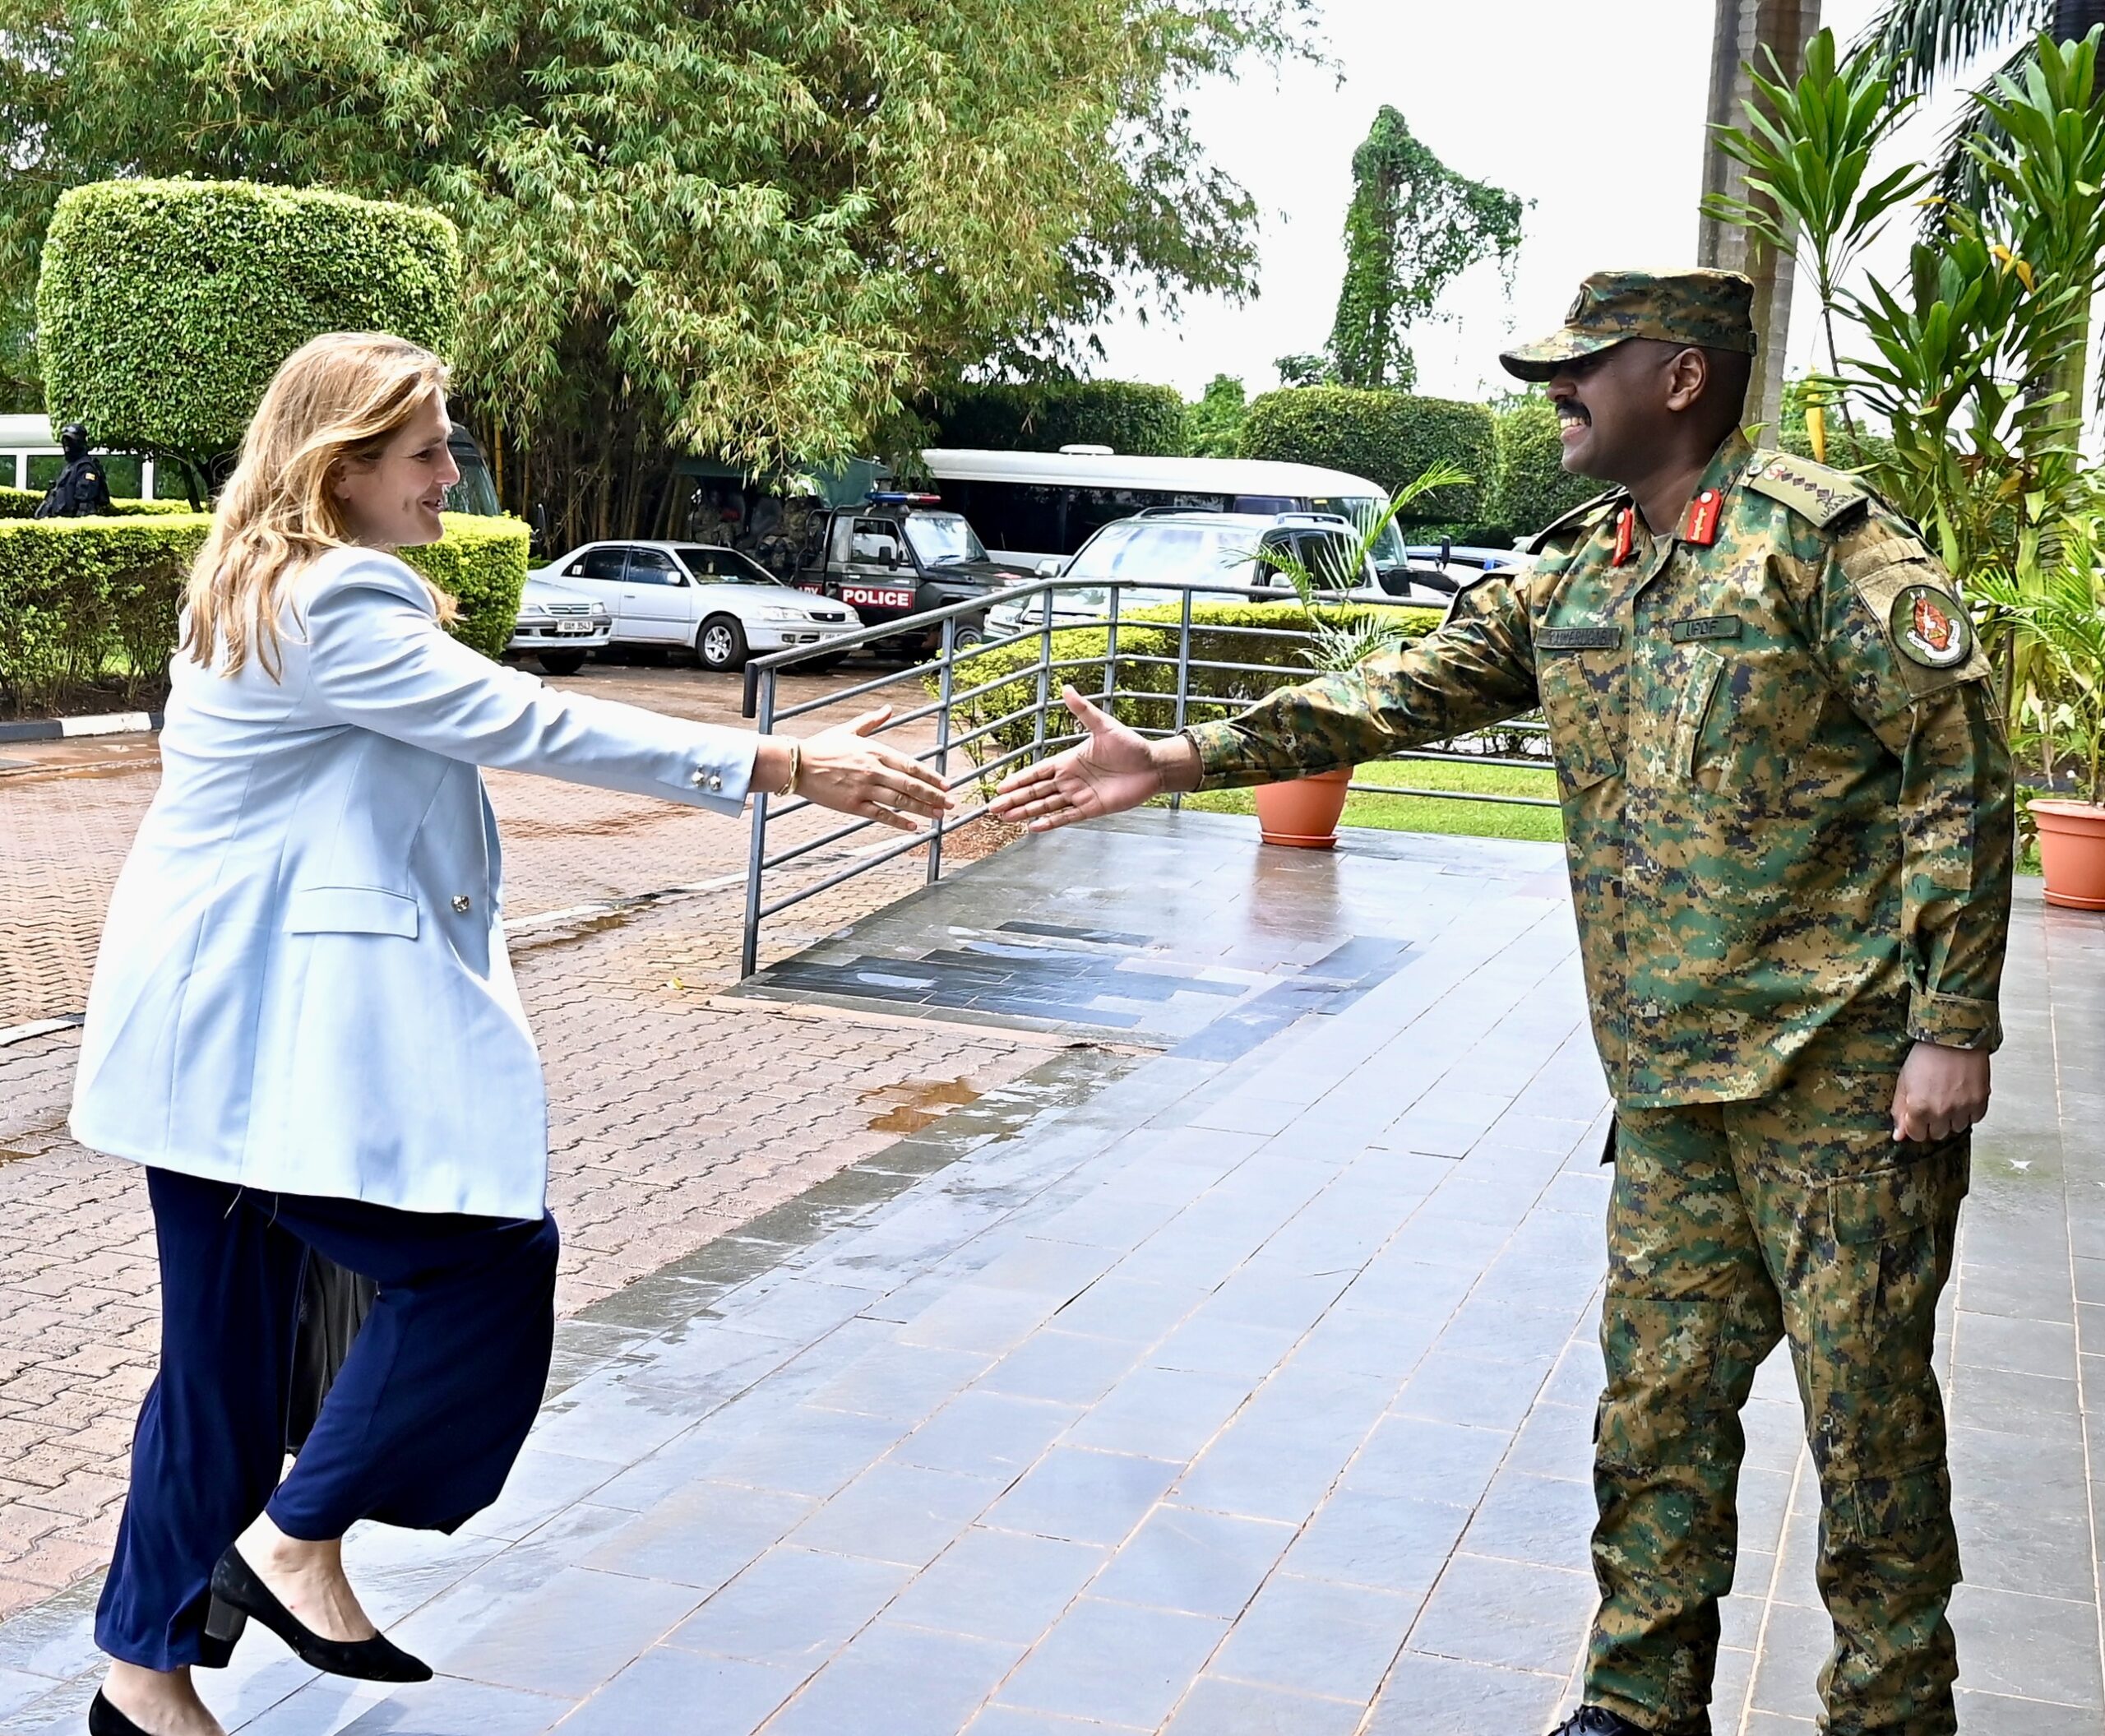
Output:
x,y
394,500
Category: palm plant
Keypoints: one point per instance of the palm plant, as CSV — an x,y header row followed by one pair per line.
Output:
x,y
1931,41
2065,619
1808,151
1338,645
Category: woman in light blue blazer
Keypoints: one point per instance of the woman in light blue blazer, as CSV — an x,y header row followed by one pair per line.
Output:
x,y
303,1024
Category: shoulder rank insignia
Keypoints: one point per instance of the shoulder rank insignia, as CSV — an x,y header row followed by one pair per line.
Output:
x,y
1812,491
1589,513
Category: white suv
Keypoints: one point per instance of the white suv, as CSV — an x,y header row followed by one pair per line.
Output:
x,y
724,605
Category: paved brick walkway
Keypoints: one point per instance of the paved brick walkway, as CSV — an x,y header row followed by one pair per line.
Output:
x,y
674,1119
1242,1389
68,811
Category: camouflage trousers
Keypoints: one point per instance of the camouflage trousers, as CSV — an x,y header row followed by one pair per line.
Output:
x,y
1732,1226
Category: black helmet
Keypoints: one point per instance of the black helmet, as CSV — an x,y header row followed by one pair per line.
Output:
x,y
73,434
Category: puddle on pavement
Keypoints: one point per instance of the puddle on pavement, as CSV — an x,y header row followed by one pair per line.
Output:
x,y
925,1102
678,1298
570,934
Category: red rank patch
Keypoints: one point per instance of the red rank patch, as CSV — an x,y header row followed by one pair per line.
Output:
x,y
1700,527
1625,535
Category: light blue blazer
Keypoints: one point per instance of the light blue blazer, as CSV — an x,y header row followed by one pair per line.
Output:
x,y
302,983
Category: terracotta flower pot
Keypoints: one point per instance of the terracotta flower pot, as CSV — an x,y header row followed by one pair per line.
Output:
x,y
1303,814
2072,851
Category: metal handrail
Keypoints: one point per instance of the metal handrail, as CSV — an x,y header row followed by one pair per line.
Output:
x,y
950,693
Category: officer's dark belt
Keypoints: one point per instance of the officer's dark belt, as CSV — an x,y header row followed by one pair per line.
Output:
x,y
1578,638
1704,627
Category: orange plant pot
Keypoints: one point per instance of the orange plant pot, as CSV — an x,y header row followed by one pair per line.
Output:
x,y
2072,851
1303,814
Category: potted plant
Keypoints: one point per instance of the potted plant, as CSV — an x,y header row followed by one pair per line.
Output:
x,y
2065,619
1303,813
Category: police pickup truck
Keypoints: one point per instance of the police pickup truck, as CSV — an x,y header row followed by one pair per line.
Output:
x,y
898,556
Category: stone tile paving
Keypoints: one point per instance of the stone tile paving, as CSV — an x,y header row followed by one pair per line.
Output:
x,y
672,1118
1208,1396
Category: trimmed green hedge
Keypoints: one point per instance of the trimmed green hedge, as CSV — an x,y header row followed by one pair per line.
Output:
x,y
163,307
1531,488
23,503
78,595
1211,693
483,563
1387,436
1131,418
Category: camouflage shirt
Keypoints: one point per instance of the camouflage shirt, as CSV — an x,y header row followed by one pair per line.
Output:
x,y
1785,784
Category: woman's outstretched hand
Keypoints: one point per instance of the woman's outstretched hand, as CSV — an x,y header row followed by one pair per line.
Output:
x,y
843,768
1115,769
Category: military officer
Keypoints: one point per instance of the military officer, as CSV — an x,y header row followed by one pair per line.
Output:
x,y
1787,806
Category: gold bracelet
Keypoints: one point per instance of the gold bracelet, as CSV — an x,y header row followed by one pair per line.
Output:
x,y
796,766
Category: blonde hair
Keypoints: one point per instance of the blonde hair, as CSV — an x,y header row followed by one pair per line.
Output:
x,y
337,400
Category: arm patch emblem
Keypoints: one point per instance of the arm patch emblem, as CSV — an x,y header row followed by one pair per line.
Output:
x,y
1929,627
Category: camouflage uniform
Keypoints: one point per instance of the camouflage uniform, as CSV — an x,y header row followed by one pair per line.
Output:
x,y
1788,814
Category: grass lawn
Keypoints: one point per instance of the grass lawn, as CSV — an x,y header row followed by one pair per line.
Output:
x,y
1429,814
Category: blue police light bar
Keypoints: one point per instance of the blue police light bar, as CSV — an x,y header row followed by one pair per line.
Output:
x,y
890,498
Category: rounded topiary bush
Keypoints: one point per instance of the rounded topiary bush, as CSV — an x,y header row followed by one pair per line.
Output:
x,y
1129,417
1387,436
165,307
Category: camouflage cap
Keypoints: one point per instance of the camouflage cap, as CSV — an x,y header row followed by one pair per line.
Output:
x,y
1712,310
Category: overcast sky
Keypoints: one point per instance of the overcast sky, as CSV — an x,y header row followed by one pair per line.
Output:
x,y
1599,124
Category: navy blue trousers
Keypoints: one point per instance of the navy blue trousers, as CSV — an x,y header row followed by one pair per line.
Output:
x,y
420,1429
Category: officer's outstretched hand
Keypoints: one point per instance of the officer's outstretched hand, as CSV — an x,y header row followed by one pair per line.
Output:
x,y
1941,1092
1114,769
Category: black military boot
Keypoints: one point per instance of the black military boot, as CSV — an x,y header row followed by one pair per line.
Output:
x,y
1590,1720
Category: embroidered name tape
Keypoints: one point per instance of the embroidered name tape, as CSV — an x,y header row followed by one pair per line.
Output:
x,y
1578,638
1704,627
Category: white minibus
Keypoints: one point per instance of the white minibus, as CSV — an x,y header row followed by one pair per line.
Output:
x,y
1031,507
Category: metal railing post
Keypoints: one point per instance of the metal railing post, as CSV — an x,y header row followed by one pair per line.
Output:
x,y
943,741
1183,682
756,856
1111,649
1045,679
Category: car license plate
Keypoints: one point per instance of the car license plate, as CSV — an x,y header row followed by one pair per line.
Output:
x,y
876,596
573,627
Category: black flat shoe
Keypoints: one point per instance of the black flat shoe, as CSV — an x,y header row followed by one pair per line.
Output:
x,y
104,1720
1592,1720
237,1593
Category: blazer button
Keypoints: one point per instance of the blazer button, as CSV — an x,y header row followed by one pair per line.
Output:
x,y
699,778
462,903
715,783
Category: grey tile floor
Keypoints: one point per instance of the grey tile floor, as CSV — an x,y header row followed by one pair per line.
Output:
x,y
1212,1397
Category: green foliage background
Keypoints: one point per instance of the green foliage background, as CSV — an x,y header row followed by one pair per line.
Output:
x,y
1131,419
79,597
1215,420
1385,436
1413,228
23,503
165,307
757,232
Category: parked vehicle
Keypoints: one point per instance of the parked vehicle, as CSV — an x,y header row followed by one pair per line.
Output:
x,y
1034,507
720,603
1162,553
560,626
898,556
